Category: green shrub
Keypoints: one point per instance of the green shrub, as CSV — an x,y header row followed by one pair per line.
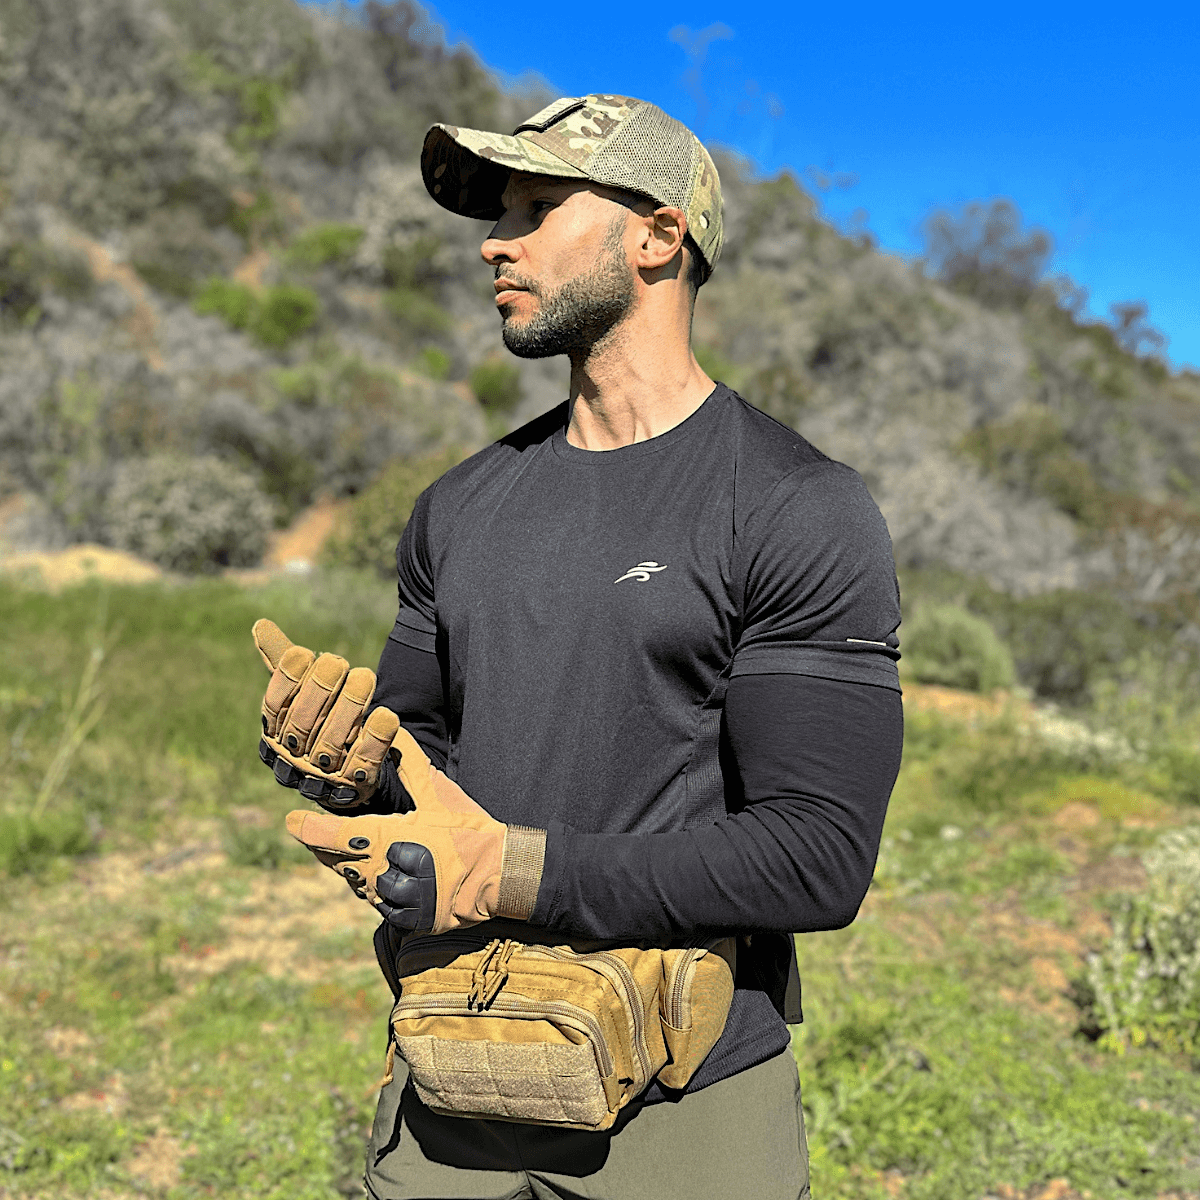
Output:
x,y
945,644
26,841
1030,452
1063,642
258,219
280,314
411,265
434,362
377,517
234,303
1143,986
261,102
496,384
166,277
416,311
323,244
29,268
1155,705
188,514
284,312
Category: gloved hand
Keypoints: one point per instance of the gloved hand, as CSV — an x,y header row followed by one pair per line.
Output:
x,y
314,736
444,865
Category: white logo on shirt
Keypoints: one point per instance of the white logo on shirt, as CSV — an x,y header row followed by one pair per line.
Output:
x,y
641,572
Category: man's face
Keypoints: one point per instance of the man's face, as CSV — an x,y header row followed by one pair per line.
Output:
x,y
563,279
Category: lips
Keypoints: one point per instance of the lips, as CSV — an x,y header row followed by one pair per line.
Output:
x,y
507,291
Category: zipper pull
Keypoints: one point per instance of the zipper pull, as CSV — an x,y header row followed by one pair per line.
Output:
x,y
475,998
499,973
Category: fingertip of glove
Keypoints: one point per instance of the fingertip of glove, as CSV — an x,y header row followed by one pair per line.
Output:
x,y
270,640
295,660
360,686
383,724
330,669
315,829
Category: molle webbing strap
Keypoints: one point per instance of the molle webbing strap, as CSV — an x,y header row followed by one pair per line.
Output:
x,y
521,871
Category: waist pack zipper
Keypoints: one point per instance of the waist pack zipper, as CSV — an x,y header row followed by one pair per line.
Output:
x,y
679,985
484,992
569,1014
633,996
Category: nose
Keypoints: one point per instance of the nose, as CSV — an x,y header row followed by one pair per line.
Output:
x,y
496,250
503,244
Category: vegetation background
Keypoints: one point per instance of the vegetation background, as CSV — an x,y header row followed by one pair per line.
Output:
x,y
227,305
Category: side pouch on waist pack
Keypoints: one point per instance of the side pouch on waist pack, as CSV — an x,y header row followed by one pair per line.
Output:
x,y
550,1034
694,999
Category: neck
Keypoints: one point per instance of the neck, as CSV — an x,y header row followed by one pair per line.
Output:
x,y
636,383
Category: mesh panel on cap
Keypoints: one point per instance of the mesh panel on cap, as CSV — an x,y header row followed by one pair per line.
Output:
x,y
651,153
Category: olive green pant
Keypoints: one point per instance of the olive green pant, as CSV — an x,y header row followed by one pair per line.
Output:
x,y
741,1137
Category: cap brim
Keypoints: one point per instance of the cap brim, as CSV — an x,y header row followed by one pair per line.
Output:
x,y
467,170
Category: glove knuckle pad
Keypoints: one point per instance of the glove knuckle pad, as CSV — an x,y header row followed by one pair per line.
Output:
x,y
287,774
312,787
413,859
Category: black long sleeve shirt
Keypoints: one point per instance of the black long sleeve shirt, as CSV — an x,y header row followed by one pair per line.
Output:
x,y
678,658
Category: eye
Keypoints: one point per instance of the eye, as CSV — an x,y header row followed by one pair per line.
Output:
x,y
539,208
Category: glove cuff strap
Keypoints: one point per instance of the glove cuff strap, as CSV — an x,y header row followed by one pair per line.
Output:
x,y
520,871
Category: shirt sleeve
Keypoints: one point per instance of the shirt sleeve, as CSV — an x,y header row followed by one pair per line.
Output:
x,y
409,678
416,621
821,596
815,761
410,683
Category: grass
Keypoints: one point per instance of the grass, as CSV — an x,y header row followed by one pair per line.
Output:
x,y
189,1008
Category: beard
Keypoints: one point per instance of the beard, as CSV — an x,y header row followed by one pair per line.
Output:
x,y
574,318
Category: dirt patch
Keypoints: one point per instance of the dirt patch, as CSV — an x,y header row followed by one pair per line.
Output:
x,y
279,923
1048,975
112,1098
963,706
298,546
249,271
156,1162
1075,816
66,1043
142,321
1037,937
1116,874
57,569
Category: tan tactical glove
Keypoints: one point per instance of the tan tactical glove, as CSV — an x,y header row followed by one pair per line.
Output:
x,y
445,865
314,736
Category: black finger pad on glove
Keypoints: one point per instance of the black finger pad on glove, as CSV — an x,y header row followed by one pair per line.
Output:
x,y
408,889
312,788
286,774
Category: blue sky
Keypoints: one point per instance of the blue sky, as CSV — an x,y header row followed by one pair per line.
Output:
x,y
1087,115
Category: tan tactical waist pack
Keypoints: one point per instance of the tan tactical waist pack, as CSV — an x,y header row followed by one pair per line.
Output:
x,y
549,1034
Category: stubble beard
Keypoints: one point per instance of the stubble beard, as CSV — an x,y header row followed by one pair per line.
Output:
x,y
581,313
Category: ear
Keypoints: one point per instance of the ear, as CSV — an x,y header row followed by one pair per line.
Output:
x,y
663,239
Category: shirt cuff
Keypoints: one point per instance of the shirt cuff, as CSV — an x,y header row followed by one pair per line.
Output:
x,y
419,639
850,663
553,860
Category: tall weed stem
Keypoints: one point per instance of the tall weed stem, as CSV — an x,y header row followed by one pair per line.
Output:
x,y
80,719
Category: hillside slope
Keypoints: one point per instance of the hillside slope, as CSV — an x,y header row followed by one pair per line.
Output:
x,y
214,244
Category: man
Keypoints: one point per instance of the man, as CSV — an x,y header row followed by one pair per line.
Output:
x,y
653,635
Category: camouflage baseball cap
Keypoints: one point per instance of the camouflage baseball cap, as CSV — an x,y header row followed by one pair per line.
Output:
x,y
615,140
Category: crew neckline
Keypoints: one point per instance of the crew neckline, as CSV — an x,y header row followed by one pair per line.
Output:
x,y
691,424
